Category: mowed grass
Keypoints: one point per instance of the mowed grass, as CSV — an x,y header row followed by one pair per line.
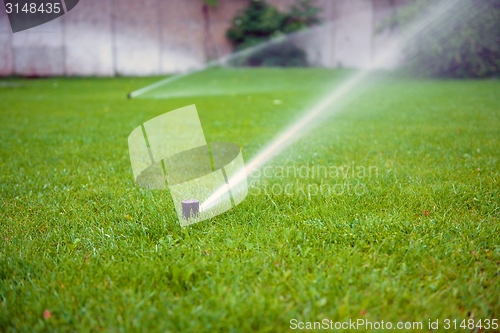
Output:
x,y
411,235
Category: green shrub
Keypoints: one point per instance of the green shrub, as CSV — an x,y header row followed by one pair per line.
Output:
x,y
282,54
260,22
464,43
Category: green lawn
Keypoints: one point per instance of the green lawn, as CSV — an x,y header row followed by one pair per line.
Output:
x,y
413,234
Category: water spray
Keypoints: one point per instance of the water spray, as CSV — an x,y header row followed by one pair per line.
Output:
x,y
350,88
225,60
332,103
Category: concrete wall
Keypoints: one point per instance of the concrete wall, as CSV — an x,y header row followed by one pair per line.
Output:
x,y
6,54
130,37
183,36
89,39
353,28
381,41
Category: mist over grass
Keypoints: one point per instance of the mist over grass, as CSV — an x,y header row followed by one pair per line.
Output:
x,y
420,241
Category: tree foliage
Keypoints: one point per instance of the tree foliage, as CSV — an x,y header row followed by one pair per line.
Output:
x,y
260,22
465,42
211,2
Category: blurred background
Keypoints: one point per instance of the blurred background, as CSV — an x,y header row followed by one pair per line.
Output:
x,y
156,37
129,37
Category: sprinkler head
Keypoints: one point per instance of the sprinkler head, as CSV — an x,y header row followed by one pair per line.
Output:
x,y
190,208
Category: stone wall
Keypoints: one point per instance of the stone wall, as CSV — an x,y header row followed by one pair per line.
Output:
x,y
6,51
153,37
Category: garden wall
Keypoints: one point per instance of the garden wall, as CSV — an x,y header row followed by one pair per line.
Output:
x,y
130,37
